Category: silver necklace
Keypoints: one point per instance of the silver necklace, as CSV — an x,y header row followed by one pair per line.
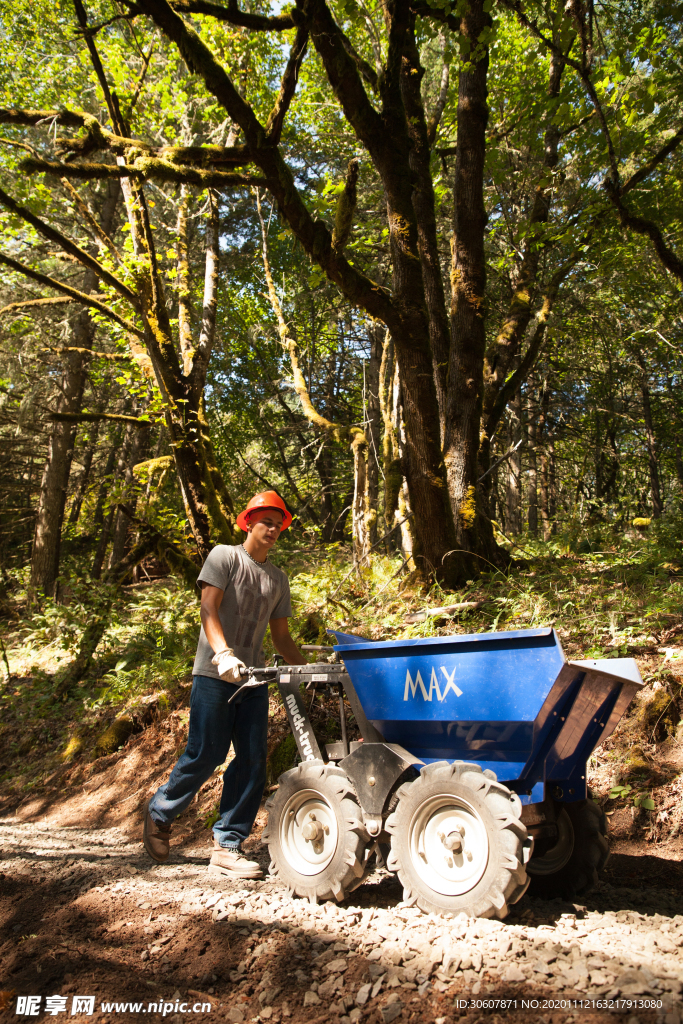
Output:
x,y
254,560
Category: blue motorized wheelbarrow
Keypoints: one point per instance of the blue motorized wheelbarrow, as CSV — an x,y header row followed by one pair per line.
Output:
x,y
469,780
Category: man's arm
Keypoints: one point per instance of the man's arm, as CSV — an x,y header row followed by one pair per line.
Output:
x,y
283,643
211,602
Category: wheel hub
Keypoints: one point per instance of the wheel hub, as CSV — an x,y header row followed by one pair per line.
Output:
x,y
308,832
448,844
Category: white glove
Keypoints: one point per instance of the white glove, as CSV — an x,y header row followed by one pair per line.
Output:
x,y
228,665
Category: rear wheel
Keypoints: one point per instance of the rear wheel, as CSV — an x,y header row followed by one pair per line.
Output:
x,y
457,842
570,864
315,835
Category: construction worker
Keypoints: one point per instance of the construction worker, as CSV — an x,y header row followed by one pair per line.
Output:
x,y
242,594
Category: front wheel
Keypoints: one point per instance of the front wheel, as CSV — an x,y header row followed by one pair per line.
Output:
x,y
315,836
457,842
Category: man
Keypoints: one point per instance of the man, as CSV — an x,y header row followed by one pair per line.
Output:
x,y
242,593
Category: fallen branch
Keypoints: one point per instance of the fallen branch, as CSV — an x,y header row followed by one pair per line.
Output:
x,y
446,612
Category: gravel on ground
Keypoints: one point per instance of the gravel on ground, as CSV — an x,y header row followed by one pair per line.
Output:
x,y
84,912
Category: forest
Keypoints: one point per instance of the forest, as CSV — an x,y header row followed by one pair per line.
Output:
x,y
415,265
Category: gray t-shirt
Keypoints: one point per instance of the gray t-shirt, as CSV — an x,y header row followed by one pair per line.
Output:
x,y
252,595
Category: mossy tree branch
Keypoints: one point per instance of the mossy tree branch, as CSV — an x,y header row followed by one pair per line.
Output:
x,y
144,168
234,16
14,307
83,257
74,294
290,79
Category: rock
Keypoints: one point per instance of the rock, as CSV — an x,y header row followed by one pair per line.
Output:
x,y
235,1015
363,994
634,981
268,995
636,989
311,998
336,967
327,989
376,987
390,1011
512,973
665,944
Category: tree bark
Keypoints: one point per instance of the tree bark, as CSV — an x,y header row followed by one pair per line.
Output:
x,y
122,526
391,460
55,481
532,477
361,540
373,427
651,441
119,459
79,495
545,461
514,470
468,307
105,486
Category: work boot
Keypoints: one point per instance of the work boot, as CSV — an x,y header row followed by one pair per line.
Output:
x,y
231,862
156,838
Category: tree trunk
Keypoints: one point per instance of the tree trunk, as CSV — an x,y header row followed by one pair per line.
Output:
x,y
468,305
514,468
532,477
545,461
53,488
121,456
404,511
361,542
372,428
651,441
105,486
552,486
389,388
79,495
123,523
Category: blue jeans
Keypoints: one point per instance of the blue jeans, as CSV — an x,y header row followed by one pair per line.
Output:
x,y
214,724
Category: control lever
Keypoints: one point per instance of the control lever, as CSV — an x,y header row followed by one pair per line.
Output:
x,y
252,681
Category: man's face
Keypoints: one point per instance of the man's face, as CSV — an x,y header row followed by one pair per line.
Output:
x,y
265,526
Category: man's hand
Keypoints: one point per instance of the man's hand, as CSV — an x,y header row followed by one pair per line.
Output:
x,y
228,665
283,643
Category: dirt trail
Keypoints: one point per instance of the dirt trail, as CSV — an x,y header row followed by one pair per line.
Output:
x,y
84,912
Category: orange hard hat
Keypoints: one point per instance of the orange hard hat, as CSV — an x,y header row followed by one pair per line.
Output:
x,y
261,502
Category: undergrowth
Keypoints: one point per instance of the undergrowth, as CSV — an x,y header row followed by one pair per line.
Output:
x,y
619,600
